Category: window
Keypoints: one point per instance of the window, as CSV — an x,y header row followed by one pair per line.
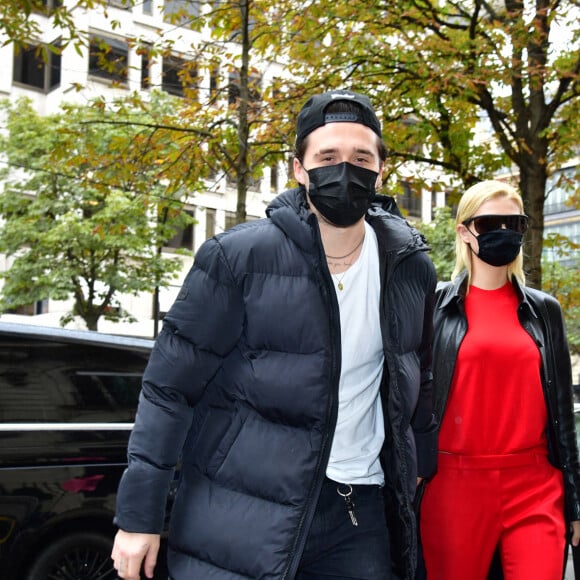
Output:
x,y
108,58
181,11
230,219
146,61
184,236
209,223
37,66
410,200
234,88
213,85
569,230
122,4
50,5
147,7
179,76
274,178
232,178
38,307
47,381
560,187
107,395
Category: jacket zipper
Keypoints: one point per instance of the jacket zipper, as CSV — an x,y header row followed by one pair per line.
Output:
x,y
331,413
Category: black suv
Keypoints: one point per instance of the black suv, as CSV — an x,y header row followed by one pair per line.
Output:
x,y
67,405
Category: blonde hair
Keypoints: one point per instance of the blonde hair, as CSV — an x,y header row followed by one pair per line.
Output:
x,y
469,203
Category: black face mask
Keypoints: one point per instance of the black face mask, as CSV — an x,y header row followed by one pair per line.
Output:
x,y
342,193
499,247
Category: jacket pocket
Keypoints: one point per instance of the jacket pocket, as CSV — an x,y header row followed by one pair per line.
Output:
x,y
222,428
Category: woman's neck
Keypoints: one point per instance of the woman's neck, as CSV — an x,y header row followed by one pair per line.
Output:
x,y
488,277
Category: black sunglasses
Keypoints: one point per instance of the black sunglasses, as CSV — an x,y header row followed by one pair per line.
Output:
x,y
487,223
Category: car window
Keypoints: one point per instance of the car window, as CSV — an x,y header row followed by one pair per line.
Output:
x,y
105,397
51,381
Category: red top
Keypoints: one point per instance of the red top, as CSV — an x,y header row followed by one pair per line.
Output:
x,y
496,403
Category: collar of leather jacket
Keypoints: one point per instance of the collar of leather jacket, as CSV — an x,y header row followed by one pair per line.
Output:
x,y
454,292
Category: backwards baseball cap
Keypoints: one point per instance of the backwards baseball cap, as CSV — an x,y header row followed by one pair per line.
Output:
x,y
313,114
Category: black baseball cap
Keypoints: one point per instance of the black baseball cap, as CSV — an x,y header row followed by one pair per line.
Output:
x,y
312,115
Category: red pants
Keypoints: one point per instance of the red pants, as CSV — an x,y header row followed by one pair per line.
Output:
x,y
474,504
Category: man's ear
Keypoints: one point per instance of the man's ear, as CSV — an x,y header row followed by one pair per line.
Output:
x,y
299,172
379,181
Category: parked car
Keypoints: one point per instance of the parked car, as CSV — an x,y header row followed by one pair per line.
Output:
x,y
67,405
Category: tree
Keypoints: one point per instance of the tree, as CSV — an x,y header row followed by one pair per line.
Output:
x,y
437,71
76,223
440,235
560,267
235,130
244,33
177,142
18,22
440,70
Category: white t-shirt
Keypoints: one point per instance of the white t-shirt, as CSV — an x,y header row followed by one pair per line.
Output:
x,y
359,435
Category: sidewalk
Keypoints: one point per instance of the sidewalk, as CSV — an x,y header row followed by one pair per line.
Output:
x,y
569,568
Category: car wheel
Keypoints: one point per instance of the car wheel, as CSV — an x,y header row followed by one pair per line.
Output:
x,y
83,556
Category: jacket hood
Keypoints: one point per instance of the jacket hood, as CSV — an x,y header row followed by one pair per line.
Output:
x,y
401,237
386,203
291,199
290,212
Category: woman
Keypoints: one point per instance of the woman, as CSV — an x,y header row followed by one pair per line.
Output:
x,y
508,472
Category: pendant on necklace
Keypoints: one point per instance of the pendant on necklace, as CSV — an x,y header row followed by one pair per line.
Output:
x,y
338,281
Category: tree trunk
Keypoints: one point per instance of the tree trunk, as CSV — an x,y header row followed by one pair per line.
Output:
x,y
243,126
91,319
533,179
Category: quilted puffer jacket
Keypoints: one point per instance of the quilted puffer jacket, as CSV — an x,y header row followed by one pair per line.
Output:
x,y
242,389
541,316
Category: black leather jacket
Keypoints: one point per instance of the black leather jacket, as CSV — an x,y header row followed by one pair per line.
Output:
x,y
541,316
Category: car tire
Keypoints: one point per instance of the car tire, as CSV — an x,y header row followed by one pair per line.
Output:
x,y
82,556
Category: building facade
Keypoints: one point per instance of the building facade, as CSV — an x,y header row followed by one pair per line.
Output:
x,y
113,65
78,75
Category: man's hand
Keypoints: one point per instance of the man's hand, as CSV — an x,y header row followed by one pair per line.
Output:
x,y
575,528
129,551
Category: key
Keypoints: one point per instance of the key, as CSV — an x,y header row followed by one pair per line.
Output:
x,y
350,510
349,503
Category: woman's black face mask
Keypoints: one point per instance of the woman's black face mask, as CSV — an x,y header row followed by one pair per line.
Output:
x,y
342,193
499,247
500,236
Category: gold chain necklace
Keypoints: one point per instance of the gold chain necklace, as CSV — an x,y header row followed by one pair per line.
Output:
x,y
350,253
339,283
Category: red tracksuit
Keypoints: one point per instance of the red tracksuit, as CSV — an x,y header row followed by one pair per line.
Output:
x,y
494,484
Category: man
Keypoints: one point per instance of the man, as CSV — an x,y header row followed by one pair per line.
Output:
x,y
292,379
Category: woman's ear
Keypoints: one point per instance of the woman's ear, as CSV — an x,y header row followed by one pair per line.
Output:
x,y
464,233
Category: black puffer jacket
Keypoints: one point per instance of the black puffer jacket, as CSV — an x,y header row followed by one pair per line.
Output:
x,y
541,316
242,386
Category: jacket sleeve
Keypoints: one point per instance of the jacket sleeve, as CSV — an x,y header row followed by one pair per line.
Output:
x,y
560,381
201,328
423,422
